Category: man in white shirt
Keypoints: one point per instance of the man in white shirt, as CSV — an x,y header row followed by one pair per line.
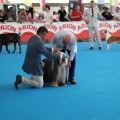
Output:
x,y
66,41
117,13
90,16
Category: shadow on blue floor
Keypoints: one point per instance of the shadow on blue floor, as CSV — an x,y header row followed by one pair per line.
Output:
x,y
96,96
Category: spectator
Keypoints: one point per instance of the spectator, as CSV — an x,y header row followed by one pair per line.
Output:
x,y
40,19
107,15
2,17
76,14
117,13
22,17
31,16
47,14
62,15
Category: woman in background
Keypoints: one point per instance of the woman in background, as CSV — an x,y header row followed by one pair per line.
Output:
x,y
22,17
31,16
47,14
107,15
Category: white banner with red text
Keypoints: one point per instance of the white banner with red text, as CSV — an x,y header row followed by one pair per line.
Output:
x,y
80,29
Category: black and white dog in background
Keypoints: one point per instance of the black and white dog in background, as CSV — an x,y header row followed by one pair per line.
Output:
x,y
55,71
6,39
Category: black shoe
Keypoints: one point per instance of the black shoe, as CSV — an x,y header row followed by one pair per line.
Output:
x,y
18,81
100,48
91,48
72,81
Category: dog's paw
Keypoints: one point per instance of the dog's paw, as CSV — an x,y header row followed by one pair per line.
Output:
x,y
62,84
53,85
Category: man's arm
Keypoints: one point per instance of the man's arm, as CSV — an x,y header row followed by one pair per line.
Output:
x,y
84,17
53,42
45,51
100,15
67,18
73,48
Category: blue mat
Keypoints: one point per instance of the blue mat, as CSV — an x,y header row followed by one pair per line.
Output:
x,y
96,96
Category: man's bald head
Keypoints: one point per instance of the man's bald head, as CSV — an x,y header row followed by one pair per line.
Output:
x,y
67,39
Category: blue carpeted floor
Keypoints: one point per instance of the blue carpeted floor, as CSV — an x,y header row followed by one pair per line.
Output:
x,y
96,96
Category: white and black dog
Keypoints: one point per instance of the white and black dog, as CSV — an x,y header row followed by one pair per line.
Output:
x,y
55,71
6,39
109,38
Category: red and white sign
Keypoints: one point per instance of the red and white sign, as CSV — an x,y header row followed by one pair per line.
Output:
x,y
80,29
1,1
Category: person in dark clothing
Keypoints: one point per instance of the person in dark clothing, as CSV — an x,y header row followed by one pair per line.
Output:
x,y
62,14
107,15
32,63
2,17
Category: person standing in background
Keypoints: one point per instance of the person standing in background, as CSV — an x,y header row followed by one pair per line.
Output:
x,y
90,16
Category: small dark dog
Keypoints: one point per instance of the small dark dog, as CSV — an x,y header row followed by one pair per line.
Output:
x,y
6,39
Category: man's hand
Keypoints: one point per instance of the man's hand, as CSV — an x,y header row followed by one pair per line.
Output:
x,y
55,51
69,63
87,21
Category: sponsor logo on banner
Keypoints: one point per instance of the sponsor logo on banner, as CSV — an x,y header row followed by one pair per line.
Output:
x,y
27,28
105,25
75,27
67,26
117,25
7,28
80,29
52,27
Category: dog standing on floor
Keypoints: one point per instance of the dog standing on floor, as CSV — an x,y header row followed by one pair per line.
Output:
x,y
109,39
6,39
55,71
